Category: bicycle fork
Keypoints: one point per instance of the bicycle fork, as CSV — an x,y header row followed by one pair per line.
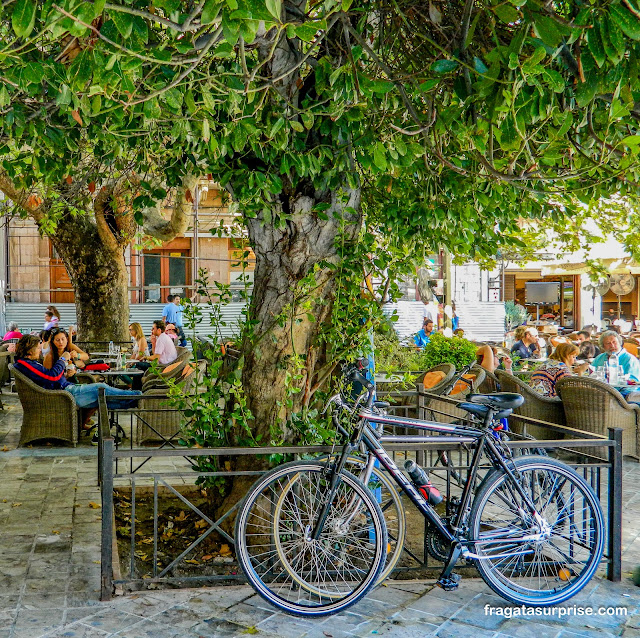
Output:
x,y
335,482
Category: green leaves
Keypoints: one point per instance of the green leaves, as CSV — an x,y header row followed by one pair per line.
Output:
x,y
628,23
123,22
23,18
444,66
274,7
596,47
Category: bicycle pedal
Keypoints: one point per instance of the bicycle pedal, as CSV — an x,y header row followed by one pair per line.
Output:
x,y
449,584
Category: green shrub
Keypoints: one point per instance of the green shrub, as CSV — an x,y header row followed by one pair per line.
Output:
x,y
440,349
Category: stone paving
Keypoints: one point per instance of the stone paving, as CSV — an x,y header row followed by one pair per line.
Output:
x,y
49,575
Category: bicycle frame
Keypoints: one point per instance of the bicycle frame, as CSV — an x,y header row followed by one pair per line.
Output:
x,y
366,435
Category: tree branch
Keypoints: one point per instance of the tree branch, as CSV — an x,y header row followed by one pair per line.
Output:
x,y
32,203
145,58
185,27
159,227
99,208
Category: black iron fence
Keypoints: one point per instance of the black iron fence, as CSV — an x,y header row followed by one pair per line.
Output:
x,y
129,469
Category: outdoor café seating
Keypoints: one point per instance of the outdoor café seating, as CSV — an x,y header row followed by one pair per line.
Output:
x,y
595,406
535,406
48,414
157,420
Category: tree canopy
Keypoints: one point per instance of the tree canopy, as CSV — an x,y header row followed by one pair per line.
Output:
x,y
450,114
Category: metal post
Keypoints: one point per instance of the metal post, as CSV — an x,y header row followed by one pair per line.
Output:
x,y
448,287
195,251
614,504
106,543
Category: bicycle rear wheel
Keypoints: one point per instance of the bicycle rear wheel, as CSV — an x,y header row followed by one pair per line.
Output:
x,y
570,533
297,574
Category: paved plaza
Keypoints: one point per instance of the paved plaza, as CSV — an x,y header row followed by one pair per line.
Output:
x,y
50,575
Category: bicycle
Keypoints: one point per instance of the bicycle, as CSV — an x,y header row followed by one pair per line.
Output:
x,y
312,540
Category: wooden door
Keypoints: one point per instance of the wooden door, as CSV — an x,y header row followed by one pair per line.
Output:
x,y
59,278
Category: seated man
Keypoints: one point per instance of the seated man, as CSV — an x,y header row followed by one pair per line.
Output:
x,y
421,338
611,344
164,350
28,351
527,347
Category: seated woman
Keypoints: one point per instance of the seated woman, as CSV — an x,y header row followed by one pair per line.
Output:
x,y
487,357
558,365
86,395
51,317
140,345
13,332
59,343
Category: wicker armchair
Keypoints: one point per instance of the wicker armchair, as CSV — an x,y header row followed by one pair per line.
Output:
x,y
407,402
172,369
595,406
489,384
160,426
5,357
535,406
447,412
48,414
449,371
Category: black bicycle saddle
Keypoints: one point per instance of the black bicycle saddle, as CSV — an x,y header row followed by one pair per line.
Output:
x,y
498,400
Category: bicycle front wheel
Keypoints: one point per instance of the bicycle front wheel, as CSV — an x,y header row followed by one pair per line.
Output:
x,y
385,491
296,573
544,560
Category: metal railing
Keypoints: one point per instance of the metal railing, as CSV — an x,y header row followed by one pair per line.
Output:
x,y
604,476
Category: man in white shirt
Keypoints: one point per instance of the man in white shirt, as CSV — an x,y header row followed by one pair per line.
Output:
x,y
163,348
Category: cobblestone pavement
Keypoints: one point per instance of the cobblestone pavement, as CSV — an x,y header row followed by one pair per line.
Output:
x,y
49,575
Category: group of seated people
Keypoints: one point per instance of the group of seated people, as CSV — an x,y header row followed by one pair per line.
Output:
x,y
528,341
562,361
55,371
51,360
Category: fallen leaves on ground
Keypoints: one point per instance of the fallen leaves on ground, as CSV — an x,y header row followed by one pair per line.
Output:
x,y
5,448
94,506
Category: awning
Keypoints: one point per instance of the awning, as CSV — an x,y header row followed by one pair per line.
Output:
x,y
617,266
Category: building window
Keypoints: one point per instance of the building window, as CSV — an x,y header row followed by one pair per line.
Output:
x,y
167,271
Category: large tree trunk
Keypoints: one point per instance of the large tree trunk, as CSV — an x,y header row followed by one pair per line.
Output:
x,y
278,328
98,272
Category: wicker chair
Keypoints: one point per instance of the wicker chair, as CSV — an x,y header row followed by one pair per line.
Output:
x,y
154,427
407,402
631,346
449,371
535,406
172,369
489,384
595,406
447,412
48,414
5,375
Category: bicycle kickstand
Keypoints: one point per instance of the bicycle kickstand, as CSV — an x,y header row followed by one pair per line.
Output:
x,y
448,580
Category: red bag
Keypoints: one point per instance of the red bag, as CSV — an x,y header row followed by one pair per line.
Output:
x,y
97,367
